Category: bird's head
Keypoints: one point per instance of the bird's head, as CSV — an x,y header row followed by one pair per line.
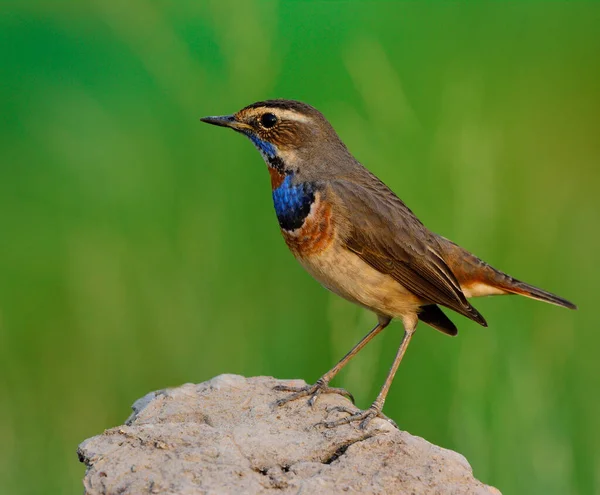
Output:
x,y
292,137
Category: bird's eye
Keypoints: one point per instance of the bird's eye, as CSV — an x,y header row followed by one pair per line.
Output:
x,y
268,120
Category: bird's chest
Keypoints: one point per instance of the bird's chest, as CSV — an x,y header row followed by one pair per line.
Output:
x,y
293,202
308,224
304,217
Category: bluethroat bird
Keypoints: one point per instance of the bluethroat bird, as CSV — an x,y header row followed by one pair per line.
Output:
x,y
359,240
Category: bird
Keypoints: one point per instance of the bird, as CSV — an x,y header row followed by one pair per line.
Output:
x,y
356,237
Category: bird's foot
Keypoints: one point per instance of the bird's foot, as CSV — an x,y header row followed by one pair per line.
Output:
x,y
364,417
313,391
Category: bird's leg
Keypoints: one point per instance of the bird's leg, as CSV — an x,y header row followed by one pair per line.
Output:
x,y
374,411
322,384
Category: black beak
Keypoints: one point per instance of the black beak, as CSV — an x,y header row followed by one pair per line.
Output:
x,y
221,120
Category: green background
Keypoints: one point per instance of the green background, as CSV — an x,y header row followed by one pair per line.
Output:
x,y
139,248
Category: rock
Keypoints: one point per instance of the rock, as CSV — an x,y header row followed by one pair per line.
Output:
x,y
226,436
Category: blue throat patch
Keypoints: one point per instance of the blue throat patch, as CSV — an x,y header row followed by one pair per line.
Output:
x,y
264,147
292,202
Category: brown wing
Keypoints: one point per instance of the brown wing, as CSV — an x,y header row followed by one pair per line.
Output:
x,y
390,238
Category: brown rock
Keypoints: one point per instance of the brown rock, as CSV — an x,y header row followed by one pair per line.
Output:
x,y
225,436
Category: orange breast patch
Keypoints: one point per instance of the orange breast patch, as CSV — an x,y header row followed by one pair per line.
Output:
x,y
315,235
276,177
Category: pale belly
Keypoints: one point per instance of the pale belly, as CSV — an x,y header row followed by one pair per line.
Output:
x,y
344,273
317,248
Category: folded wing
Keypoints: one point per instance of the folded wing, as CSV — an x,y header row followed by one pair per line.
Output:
x,y
389,237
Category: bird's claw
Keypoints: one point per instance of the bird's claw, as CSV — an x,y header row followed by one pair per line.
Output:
x,y
309,390
364,417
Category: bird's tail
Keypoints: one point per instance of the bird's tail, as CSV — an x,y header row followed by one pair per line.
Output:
x,y
477,278
514,286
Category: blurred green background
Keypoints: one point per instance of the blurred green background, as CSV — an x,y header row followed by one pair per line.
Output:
x,y
140,248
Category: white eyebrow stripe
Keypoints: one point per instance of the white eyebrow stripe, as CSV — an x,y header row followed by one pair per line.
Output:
x,y
290,115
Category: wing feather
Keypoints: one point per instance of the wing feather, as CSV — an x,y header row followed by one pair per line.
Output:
x,y
387,235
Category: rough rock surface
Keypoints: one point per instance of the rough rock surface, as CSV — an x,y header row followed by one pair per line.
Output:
x,y
225,436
